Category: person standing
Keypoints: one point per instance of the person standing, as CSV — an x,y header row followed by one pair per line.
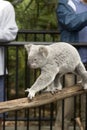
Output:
x,y
72,19
72,23
8,32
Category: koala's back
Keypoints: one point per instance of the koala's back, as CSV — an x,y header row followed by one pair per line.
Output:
x,y
64,53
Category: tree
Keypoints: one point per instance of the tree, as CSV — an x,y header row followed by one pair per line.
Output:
x,y
36,14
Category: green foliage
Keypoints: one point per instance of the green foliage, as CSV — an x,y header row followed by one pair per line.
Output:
x,y
36,14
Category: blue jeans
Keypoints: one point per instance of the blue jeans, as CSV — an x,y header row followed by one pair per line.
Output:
x,y
1,91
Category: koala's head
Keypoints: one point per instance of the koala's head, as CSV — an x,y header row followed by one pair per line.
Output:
x,y
37,55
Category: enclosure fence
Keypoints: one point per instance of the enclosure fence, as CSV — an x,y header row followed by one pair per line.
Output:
x,y
20,77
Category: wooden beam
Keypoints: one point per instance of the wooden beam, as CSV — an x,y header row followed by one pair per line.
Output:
x,y
41,99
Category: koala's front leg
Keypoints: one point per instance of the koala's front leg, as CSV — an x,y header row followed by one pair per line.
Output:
x,y
45,79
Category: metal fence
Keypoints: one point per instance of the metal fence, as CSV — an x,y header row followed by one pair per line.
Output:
x,y
20,76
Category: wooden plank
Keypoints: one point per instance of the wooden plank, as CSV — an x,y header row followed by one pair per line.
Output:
x,y
41,99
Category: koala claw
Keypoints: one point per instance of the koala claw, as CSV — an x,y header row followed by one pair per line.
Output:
x,y
31,93
53,90
56,91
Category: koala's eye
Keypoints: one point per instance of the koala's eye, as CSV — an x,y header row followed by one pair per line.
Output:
x,y
35,59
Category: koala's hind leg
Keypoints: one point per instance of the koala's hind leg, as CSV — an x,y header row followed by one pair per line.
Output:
x,y
57,82
81,71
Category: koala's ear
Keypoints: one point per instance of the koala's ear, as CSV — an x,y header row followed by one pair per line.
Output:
x,y
43,51
27,47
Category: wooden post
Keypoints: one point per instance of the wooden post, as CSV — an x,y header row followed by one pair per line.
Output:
x,y
41,99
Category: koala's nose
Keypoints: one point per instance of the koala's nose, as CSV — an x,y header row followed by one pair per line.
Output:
x,y
28,63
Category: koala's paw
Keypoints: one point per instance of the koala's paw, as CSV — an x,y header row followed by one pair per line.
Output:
x,y
31,93
85,87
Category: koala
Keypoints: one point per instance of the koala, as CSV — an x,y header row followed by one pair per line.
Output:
x,y
54,60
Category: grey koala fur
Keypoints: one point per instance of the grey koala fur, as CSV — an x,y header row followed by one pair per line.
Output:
x,y
54,61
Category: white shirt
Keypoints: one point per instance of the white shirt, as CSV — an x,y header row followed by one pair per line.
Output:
x,y
8,27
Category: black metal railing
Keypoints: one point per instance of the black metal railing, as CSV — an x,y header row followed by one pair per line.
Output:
x,y
20,77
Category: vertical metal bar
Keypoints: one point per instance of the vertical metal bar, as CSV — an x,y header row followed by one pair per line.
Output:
x,y
51,116
86,106
86,114
28,119
75,105
44,37
17,60
43,111
35,36
63,114
74,112
63,106
79,105
5,95
26,37
39,121
16,85
53,38
7,68
27,85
